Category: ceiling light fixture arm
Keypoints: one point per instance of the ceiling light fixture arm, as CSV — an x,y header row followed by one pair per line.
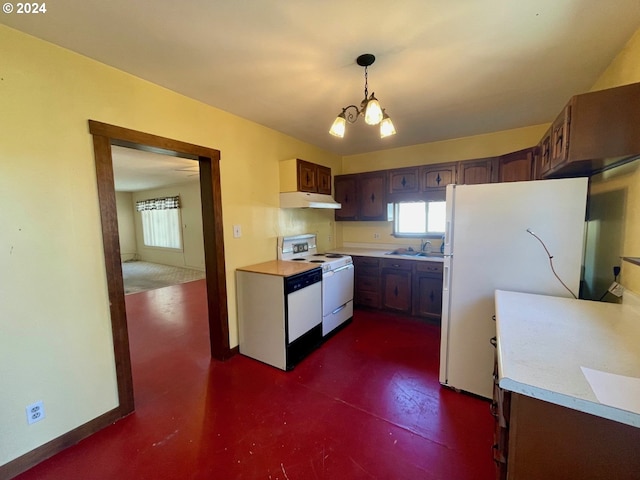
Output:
x,y
370,108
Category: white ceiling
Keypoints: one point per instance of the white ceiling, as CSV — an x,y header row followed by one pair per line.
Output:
x,y
136,170
444,68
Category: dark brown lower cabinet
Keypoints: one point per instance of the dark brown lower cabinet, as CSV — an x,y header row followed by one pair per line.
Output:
x,y
396,285
412,287
367,282
427,289
534,439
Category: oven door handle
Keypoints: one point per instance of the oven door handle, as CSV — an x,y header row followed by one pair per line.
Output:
x,y
341,307
345,267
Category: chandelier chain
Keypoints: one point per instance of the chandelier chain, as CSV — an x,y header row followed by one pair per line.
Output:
x,y
366,89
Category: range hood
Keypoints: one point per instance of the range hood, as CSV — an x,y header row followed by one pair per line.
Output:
x,y
307,200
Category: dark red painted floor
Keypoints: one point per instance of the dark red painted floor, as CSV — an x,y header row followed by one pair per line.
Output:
x,y
366,405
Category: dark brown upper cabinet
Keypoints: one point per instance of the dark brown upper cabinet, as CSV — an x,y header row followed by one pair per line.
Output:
x,y
594,131
517,166
472,172
362,195
302,176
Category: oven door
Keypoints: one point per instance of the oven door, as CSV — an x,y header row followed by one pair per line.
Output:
x,y
337,288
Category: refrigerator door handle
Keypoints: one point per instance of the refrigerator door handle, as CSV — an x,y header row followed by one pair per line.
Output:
x,y
445,278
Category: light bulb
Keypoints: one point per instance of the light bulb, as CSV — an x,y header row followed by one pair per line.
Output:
x,y
338,127
386,126
373,111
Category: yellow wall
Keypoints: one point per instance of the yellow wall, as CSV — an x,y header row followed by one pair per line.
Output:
x,y
624,182
55,340
466,148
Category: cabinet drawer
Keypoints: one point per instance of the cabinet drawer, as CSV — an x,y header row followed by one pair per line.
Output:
x,y
366,262
367,283
367,299
366,271
430,267
397,264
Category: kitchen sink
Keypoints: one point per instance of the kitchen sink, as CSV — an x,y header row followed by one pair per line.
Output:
x,y
413,253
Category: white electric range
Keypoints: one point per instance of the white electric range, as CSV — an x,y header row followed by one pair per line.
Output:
x,y
337,277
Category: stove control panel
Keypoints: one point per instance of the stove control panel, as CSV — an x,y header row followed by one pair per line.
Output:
x,y
300,247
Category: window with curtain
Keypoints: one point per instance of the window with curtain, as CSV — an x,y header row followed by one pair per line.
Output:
x,y
161,222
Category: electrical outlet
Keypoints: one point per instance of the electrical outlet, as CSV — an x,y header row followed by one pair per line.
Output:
x,y
376,236
35,412
616,289
237,231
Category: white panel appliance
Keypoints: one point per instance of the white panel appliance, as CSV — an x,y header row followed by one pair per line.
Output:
x,y
337,278
279,316
493,240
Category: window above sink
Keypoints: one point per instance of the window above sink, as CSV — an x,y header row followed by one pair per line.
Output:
x,y
418,219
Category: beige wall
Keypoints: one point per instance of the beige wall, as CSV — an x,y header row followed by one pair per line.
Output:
x,y
126,226
55,341
192,253
618,190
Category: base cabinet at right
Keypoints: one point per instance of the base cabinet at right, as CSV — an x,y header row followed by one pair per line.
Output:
x,y
551,442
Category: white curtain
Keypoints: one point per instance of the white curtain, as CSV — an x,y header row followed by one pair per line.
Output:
x,y
161,222
161,228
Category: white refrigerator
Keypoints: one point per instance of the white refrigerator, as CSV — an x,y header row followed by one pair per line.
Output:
x,y
493,240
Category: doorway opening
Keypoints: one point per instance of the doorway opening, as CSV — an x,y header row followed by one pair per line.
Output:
x,y
104,136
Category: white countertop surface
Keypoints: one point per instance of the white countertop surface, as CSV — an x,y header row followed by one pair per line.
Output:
x,y
364,251
543,343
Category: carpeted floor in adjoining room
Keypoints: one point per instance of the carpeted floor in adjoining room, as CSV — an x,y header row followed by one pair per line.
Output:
x,y
365,405
141,276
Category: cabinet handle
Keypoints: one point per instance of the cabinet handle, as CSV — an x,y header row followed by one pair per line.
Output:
x,y
494,342
493,408
395,291
493,317
373,198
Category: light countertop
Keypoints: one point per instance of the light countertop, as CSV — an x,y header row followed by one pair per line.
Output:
x,y
544,342
365,251
281,268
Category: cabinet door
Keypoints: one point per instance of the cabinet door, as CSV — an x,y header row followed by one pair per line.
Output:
x,y
438,176
472,172
371,192
560,138
346,193
396,290
307,176
405,180
427,295
367,281
324,179
516,166
544,155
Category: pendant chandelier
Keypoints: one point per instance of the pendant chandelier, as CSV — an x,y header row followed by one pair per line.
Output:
x,y
370,108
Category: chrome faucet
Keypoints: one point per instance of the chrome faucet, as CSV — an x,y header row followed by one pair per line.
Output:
x,y
425,246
